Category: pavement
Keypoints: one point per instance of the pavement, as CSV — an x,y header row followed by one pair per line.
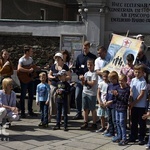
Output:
x,y
26,135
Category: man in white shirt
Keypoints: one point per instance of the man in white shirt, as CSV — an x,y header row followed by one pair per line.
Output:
x,y
103,59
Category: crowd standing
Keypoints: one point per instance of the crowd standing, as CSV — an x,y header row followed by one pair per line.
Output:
x,y
119,95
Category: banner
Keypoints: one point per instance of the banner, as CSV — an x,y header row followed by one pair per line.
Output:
x,y
119,48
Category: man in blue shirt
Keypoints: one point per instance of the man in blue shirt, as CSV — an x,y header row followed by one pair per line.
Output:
x,y
81,68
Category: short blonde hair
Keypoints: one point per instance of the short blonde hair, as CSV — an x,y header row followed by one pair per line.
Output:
x,y
123,77
113,75
6,82
42,74
139,67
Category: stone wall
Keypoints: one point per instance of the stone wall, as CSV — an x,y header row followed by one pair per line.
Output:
x,y
44,48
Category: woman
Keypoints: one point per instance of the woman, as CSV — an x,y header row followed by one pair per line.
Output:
x,y
8,108
57,66
6,67
66,58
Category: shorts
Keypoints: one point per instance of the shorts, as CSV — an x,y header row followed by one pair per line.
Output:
x,y
102,112
88,102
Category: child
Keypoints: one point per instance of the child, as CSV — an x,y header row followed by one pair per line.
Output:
x,y
145,116
8,109
89,81
128,68
62,92
113,85
121,98
138,93
101,97
42,99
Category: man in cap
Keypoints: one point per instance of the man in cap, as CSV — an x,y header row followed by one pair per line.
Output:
x,y
81,68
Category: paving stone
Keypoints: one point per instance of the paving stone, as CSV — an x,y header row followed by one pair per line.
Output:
x,y
18,145
64,147
83,145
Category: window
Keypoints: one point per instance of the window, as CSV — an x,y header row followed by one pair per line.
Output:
x,y
43,14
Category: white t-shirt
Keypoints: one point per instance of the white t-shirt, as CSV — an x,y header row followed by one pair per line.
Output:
x,y
103,89
99,64
90,76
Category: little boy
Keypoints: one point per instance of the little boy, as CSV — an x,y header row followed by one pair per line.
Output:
x,y
121,99
63,89
101,97
42,98
113,85
138,93
89,81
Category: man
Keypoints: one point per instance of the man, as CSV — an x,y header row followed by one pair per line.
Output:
x,y
141,56
103,59
25,74
81,68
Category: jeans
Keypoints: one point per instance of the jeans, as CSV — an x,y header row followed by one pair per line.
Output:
x,y
59,112
111,120
24,87
44,112
136,118
78,98
121,124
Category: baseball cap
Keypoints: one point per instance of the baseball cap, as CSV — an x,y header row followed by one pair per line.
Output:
x,y
61,72
58,55
86,43
139,35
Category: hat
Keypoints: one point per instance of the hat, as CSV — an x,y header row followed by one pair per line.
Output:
x,y
58,55
61,72
86,43
139,35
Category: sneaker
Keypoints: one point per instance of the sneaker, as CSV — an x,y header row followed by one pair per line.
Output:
x,y
65,129
147,147
7,125
40,124
45,125
93,127
100,130
23,115
32,114
122,143
108,135
141,142
56,127
116,139
84,126
105,132
77,117
130,140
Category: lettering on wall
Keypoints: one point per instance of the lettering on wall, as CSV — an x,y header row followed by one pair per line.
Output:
x,y
129,12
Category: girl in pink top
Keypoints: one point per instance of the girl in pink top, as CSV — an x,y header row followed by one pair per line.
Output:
x,y
128,68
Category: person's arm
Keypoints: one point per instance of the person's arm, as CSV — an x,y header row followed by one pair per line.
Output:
x,y
37,95
138,98
99,97
50,75
124,98
93,80
22,69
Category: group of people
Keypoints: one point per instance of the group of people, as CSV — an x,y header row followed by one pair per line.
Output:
x,y
114,92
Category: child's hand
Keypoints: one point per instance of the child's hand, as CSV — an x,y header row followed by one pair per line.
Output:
x,y
81,77
114,92
131,105
102,104
46,103
14,110
145,116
